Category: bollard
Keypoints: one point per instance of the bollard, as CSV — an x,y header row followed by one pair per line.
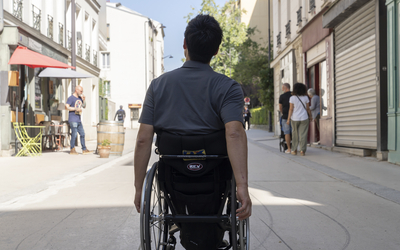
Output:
x,y
269,121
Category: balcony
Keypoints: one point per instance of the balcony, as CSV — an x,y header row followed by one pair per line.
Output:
x,y
69,41
87,53
79,41
61,34
288,33
312,6
17,9
299,17
95,58
278,40
36,14
50,27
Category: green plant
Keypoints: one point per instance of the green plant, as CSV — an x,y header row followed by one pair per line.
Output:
x,y
105,143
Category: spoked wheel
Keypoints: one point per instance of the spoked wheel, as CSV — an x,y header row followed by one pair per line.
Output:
x,y
240,230
244,235
154,229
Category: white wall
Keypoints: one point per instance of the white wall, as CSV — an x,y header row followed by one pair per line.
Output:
x,y
129,73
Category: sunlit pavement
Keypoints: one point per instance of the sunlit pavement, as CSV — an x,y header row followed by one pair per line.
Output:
x,y
324,200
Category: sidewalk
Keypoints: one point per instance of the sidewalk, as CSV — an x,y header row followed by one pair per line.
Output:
x,y
24,175
378,177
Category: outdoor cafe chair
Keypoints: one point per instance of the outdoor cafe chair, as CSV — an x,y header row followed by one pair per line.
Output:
x,y
31,146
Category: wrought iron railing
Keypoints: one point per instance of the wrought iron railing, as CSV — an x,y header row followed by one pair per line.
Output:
x,y
299,17
87,53
61,34
312,5
36,13
95,58
288,33
50,26
69,41
79,41
17,9
278,40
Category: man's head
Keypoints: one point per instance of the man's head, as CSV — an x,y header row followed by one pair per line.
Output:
x,y
120,106
311,92
203,35
285,87
78,90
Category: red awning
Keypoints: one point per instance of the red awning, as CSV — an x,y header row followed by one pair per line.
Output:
x,y
24,56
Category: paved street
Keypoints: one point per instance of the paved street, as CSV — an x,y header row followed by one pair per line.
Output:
x,y
324,200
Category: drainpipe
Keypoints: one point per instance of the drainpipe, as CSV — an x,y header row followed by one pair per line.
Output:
x,y
1,16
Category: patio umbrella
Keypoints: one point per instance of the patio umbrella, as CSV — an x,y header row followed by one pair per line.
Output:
x,y
24,56
62,73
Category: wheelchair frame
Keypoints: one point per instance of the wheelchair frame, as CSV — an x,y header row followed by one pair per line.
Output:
x,y
157,226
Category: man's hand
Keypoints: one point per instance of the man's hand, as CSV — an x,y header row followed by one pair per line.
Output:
x,y
243,196
138,197
288,122
78,109
83,97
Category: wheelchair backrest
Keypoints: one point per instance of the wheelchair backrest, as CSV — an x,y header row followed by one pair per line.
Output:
x,y
211,144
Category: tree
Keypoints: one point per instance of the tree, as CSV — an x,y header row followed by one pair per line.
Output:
x,y
234,32
254,73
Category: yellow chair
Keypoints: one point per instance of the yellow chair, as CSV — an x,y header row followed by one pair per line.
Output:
x,y
31,146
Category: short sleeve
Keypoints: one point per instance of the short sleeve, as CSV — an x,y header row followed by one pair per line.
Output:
x,y
280,100
70,101
291,100
147,116
232,106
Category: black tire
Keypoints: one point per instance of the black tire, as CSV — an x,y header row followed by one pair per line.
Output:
x,y
233,204
155,229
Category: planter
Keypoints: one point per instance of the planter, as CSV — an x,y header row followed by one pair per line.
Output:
x,y
104,151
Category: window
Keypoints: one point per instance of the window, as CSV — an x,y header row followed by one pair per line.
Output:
x,y
134,114
107,88
106,60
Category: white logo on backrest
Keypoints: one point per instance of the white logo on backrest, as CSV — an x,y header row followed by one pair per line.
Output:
x,y
194,166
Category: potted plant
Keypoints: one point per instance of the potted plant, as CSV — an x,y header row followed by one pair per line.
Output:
x,y
104,149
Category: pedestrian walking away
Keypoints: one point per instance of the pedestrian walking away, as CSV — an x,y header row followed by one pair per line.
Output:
x,y
218,109
120,114
75,103
247,116
315,106
284,107
299,116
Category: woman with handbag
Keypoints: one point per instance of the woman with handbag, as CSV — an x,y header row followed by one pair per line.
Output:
x,y
299,116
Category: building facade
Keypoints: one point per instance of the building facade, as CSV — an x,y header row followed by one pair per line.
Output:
x,y
44,26
360,77
134,58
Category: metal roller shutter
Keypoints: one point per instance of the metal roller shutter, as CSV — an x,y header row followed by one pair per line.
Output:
x,y
355,76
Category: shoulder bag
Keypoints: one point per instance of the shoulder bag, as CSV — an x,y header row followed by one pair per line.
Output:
x,y
304,106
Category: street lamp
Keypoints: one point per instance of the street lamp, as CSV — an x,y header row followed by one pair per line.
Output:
x,y
169,56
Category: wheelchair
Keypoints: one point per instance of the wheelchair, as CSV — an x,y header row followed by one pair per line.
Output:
x,y
191,190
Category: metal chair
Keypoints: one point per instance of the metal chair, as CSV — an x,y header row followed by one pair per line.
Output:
x,y
31,146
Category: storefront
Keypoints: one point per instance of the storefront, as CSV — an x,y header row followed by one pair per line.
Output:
x,y
360,77
393,35
316,41
29,98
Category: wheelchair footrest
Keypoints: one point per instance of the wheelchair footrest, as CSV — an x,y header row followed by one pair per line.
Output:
x,y
197,219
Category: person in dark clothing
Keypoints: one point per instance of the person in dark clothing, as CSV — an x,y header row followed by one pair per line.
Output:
x,y
208,102
247,116
120,114
284,106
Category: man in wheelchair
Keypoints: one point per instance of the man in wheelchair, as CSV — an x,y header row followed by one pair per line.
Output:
x,y
197,116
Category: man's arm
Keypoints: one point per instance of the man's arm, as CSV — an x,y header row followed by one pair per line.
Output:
x,y
144,140
236,141
281,108
69,108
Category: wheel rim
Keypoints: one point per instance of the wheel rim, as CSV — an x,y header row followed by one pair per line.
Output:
x,y
155,226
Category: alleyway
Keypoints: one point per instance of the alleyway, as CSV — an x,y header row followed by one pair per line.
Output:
x,y
324,200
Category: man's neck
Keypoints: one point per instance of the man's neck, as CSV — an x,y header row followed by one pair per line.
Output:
x,y
75,94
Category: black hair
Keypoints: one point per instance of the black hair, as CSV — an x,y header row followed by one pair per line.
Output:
x,y
299,89
203,36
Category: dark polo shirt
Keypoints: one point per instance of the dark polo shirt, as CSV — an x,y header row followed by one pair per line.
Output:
x,y
192,100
